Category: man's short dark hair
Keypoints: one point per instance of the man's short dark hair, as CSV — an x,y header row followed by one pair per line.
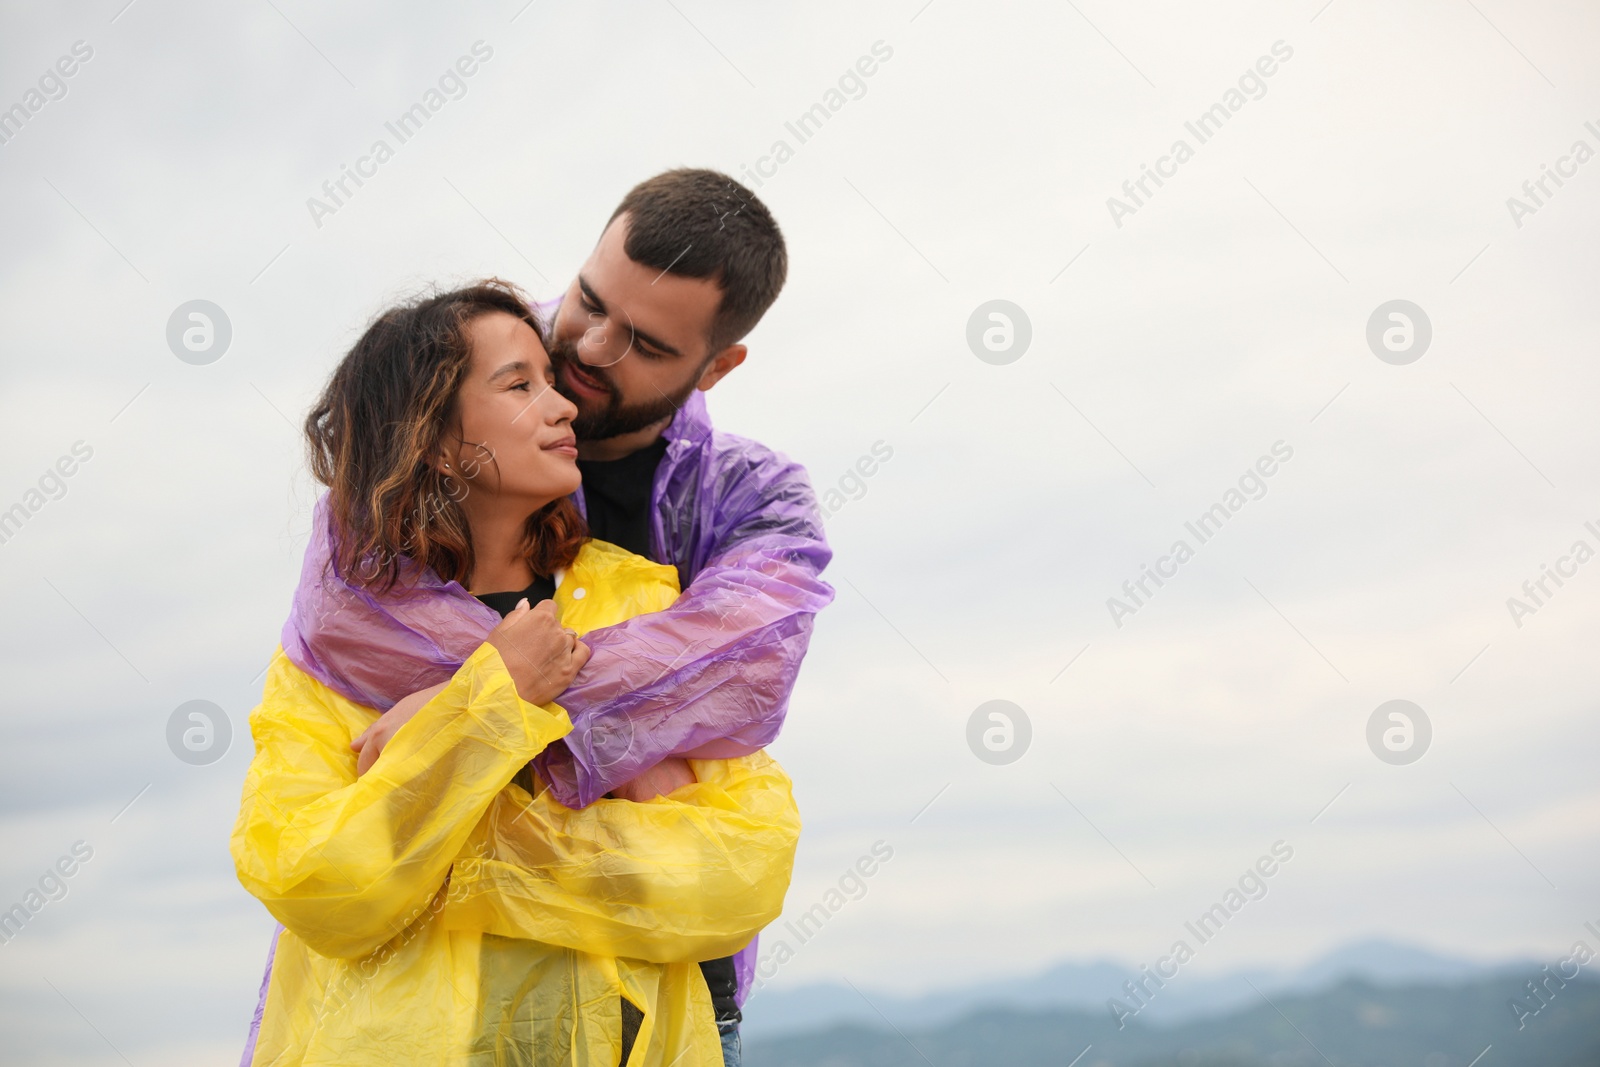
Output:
x,y
703,224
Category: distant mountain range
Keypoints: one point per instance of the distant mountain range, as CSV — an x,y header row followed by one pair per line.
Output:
x,y
1356,1023
1087,986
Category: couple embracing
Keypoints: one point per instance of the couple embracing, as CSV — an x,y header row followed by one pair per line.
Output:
x,y
509,803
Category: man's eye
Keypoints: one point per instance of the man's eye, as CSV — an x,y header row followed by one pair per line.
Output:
x,y
524,386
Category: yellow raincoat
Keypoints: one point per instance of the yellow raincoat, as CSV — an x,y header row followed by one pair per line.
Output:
x,y
437,913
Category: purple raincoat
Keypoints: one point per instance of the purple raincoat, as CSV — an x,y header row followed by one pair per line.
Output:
x,y
709,677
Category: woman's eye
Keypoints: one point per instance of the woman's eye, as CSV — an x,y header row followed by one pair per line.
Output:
x,y
524,386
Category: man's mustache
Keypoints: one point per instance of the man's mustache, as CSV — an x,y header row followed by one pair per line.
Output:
x,y
567,357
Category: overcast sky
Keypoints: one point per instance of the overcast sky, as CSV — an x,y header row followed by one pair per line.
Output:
x,y
1172,347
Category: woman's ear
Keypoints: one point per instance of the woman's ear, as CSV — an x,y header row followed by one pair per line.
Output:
x,y
446,459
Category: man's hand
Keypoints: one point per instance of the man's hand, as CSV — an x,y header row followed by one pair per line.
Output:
x,y
658,781
369,743
542,657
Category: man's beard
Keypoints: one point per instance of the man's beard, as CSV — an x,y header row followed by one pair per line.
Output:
x,y
612,418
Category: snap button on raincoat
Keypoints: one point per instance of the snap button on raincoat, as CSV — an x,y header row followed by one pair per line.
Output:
x,y
436,912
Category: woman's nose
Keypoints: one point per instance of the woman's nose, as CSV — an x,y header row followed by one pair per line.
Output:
x,y
560,408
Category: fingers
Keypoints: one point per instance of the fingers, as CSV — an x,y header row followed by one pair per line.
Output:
x,y
369,756
540,653
542,614
512,617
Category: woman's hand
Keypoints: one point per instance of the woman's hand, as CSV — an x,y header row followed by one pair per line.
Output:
x,y
658,781
542,657
368,744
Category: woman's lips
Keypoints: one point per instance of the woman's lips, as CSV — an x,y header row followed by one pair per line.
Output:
x,y
567,446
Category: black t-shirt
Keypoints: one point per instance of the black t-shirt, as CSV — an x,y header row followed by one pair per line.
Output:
x,y
617,493
542,588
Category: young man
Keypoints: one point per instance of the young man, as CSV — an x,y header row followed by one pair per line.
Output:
x,y
686,267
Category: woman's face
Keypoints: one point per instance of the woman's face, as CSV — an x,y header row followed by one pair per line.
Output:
x,y
516,430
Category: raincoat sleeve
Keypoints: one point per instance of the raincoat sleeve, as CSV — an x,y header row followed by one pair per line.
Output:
x,y
347,862
709,676
687,877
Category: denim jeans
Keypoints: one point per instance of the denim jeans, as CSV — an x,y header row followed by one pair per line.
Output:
x,y
732,1049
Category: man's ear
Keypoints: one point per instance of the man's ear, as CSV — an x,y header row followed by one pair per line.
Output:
x,y
720,365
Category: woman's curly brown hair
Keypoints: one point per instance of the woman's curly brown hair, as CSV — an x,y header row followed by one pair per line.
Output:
x,y
382,423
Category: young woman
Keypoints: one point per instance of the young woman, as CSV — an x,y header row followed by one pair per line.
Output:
x,y
439,907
